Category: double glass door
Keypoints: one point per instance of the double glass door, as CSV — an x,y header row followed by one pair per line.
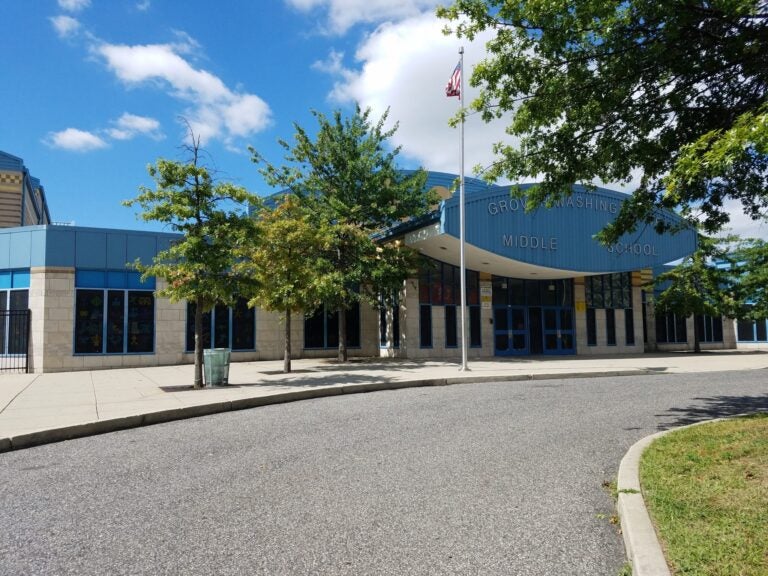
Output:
x,y
521,330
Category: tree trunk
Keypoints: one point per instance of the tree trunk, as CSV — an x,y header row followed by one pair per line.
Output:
x,y
199,343
343,356
287,355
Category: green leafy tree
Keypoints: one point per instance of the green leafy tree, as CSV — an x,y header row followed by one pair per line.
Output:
x,y
351,174
671,90
287,258
703,283
750,267
197,268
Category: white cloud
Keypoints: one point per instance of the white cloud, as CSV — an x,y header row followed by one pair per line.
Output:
x,y
65,26
143,6
74,5
741,224
343,14
216,111
405,67
75,140
129,126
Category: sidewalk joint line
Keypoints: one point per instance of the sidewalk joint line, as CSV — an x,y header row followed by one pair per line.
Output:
x,y
95,399
20,392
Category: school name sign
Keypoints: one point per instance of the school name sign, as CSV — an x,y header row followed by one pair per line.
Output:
x,y
563,236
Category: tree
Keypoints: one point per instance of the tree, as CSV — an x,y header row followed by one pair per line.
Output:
x,y
287,258
750,268
358,191
199,267
672,90
703,283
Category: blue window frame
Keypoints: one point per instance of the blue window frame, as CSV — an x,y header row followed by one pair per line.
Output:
x,y
114,313
114,321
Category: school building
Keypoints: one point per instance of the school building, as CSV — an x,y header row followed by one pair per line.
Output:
x,y
538,283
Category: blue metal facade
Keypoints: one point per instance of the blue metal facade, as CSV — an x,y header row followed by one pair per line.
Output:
x,y
561,237
77,247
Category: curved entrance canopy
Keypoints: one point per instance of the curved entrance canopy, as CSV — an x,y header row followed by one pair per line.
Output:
x,y
547,243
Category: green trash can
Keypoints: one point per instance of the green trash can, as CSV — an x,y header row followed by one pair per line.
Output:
x,y
216,366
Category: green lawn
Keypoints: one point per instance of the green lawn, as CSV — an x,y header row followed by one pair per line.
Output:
x,y
706,488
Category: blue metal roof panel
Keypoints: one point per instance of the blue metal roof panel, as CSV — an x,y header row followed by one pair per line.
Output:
x,y
562,237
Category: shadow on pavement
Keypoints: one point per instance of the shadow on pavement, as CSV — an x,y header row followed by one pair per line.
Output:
x,y
713,407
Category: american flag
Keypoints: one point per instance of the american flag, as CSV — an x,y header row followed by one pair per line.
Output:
x,y
454,84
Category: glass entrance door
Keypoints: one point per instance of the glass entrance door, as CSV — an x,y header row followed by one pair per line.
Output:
x,y
557,323
510,330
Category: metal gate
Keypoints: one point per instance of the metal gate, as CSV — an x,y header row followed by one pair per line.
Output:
x,y
14,340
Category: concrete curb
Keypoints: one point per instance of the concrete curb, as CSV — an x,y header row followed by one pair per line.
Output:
x,y
123,423
640,539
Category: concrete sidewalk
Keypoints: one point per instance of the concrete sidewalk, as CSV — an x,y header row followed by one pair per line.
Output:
x,y
41,408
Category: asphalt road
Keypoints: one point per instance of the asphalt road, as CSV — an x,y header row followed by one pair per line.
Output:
x,y
468,479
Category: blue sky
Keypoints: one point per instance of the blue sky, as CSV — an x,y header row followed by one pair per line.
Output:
x,y
93,91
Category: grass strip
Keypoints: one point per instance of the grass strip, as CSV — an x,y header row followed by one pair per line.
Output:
x,y
706,488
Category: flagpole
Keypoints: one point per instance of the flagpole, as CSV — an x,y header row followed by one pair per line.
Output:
x,y
462,265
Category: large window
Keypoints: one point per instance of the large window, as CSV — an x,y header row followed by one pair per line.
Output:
x,y
13,327
114,313
710,328
224,327
440,285
671,329
752,330
321,328
610,291
114,321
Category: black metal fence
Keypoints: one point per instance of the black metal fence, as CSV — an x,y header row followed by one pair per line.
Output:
x,y
14,340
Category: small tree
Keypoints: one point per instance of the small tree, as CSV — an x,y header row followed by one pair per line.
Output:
x,y
701,284
197,268
286,257
359,192
750,268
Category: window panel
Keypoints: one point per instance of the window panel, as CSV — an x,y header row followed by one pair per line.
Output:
x,y
89,318
629,327
191,328
760,331
3,318
243,326
17,326
141,321
500,291
475,335
314,329
115,321
451,336
681,332
717,329
591,327
425,326
353,326
473,287
610,327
